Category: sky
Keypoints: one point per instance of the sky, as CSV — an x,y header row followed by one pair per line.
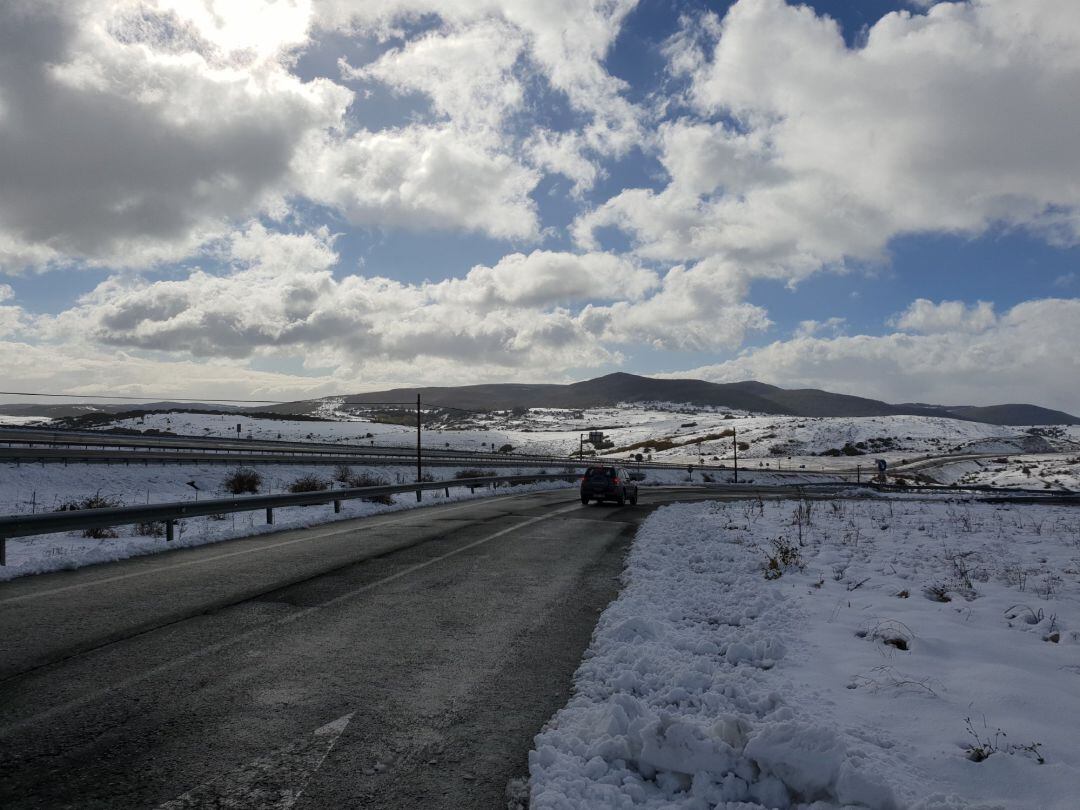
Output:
x,y
282,199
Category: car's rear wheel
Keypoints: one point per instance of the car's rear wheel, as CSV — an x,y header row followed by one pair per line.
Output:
x,y
633,499
585,500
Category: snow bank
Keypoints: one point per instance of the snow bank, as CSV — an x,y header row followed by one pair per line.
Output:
x,y
840,680
36,488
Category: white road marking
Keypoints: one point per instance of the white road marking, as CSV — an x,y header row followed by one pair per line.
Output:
x,y
382,521
273,781
161,669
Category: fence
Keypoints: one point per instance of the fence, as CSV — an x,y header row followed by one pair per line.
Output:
x,y
168,513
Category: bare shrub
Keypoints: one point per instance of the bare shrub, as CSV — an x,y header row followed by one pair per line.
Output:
x,y
785,555
309,483
474,473
342,473
150,528
95,501
362,480
890,632
243,479
937,593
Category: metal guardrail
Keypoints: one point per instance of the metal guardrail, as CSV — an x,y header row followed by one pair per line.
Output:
x,y
168,513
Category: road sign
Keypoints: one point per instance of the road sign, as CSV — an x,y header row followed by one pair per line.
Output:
x,y
881,465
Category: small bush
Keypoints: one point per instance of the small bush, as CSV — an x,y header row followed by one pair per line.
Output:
x,y
309,483
342,473
474,473
937,593
95,501
785,555
243,479
151,528
365,480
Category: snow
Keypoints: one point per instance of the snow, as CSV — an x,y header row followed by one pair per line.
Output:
x,y
7,419
840,681
27,489
1024,472
792,441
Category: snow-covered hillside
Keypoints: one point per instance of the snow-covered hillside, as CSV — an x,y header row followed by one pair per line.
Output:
x,y
675,433
1026,472
878,654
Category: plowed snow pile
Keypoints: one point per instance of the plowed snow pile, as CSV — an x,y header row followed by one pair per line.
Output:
x,y
878,653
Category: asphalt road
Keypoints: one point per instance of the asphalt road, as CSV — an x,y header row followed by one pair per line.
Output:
x,y
399,661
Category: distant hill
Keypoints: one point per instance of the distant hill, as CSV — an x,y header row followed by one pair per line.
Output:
x,y
1014,415
68,409
750,395
608,390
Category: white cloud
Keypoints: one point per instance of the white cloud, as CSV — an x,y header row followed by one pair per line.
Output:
x,y
131,138
136,132
281,300
566,40
467,72
546,278
696,308
421,177
803,152
534,314
811,328
83,370
928,317
12,318
1027,355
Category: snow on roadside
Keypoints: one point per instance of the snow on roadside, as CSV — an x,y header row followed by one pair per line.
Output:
x,y
1025,472
44,488
842,680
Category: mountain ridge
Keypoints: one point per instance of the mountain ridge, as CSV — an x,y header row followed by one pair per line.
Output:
x,y
609,390
749,395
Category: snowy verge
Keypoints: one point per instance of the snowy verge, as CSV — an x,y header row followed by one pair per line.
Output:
x,y
51,485
837,676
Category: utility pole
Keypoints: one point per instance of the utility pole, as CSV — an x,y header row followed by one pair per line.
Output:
x,y
735,445
581,446
418,472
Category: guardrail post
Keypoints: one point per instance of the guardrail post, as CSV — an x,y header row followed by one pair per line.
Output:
x,y
337,506
270,514
170,532
448,492
3,551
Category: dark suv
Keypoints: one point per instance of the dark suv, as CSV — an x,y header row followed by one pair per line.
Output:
x,y
608,484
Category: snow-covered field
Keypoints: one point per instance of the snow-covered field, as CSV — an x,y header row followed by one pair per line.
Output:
x,y
679,434
897,654
1026,472
16,421
32,488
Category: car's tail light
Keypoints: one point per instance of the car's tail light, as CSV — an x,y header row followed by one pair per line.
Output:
x,y
615,480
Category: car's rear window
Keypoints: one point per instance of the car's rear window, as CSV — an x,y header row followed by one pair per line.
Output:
x,y
600,472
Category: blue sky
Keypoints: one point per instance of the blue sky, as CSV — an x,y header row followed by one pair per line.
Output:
x,y
300,198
